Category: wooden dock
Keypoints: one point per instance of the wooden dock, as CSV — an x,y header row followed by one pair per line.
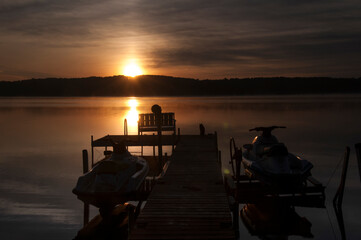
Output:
x,y
190,202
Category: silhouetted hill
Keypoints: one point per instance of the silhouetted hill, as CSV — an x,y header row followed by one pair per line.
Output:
x,y
149,85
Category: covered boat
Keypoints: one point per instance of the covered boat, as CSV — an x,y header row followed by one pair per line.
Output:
x,y
269,161
114,180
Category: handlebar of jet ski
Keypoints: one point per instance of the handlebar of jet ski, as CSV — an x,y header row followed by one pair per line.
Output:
x,y
266,128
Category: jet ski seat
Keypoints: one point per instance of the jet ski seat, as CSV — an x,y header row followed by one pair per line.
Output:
x,y
276,149
110,167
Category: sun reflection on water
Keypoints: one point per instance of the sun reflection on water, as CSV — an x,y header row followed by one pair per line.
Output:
x,y
132,116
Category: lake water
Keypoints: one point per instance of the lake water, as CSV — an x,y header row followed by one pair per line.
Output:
x,y
41,140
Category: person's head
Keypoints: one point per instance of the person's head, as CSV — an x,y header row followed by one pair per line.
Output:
x,y
156,109
119,147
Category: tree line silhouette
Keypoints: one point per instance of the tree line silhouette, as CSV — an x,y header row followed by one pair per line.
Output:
x,y
151,85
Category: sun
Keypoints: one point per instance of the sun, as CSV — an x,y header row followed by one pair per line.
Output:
x,y
132,70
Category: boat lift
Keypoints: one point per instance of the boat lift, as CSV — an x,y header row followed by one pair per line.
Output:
x,y
244,188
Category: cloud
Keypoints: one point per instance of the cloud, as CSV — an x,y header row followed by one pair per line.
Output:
x,y
266,34
196,33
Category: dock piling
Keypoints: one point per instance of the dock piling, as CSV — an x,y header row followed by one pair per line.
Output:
x,y
92,148
85,161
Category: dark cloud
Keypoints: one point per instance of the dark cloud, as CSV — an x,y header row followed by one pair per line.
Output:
x,y
264,33
48,18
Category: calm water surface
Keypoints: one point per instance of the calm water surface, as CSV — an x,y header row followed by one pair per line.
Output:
x,y
41,141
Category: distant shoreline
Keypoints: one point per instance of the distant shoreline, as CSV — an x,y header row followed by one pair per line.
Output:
x,y
165,86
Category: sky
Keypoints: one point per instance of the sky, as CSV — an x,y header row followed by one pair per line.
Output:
x,y
187,38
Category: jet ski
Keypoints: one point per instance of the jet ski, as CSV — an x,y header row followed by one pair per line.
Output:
x,y
269,161
113,180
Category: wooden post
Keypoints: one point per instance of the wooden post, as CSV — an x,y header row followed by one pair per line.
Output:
x,y
92,148
85,161
178,133
85,170
125,126
358,154
126,130
220,158
215,134
238,168
158,120
160,152
154,148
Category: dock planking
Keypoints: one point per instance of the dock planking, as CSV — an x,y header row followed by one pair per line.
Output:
x,y
190,201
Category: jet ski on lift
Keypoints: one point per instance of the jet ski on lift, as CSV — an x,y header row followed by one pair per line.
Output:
x,y
269,161
113,180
